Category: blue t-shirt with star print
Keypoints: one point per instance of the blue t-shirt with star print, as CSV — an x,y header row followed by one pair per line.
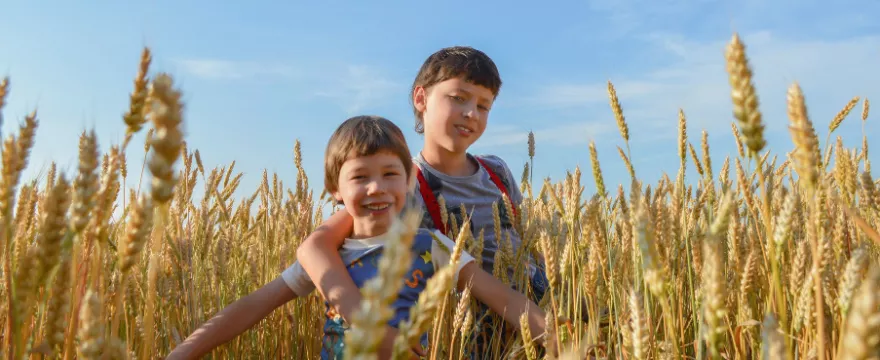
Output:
x,y
361,258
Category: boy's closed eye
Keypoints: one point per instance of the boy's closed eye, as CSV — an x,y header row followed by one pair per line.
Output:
x,y
462,99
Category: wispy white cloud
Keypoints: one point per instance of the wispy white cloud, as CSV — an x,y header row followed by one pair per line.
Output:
x,y
218,69
356,87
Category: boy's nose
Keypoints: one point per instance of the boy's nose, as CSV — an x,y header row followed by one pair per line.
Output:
x,y
375,187
470,110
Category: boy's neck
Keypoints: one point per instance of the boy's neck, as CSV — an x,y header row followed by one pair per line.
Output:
x,y
360,235
449,163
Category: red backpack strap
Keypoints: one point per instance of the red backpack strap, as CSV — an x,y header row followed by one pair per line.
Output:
x,y
498,183
430,201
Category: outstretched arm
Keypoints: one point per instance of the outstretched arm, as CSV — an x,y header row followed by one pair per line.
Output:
x,y
233,320
319,256
502,299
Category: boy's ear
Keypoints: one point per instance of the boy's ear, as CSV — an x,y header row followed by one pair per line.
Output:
x,y
420,98
337,197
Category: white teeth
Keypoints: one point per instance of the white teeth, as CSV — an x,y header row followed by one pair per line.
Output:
x,y
377,206
462,128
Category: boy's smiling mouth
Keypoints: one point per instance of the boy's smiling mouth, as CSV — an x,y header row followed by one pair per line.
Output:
x,y
379,206
464,130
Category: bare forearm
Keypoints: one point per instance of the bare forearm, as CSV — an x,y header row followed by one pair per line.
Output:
x,y
233,320
215,332
502,299
334,283
319,256
513,305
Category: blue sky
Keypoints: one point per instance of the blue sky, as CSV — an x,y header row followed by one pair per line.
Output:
x,y
260,75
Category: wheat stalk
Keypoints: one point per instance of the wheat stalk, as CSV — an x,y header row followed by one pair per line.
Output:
x,y
166,113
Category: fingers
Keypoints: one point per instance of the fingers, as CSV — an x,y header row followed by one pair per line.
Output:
x,y
418,350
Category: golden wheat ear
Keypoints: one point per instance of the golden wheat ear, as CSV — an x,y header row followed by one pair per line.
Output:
x,y
859,339
4,90
138,110
745,99
368,321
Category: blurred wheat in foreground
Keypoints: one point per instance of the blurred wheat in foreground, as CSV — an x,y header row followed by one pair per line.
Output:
x,y
774,256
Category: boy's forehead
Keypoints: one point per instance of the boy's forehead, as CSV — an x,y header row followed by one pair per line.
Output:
x,y
470,87
384,157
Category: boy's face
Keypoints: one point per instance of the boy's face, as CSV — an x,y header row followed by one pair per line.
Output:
x,y
373,189
454,113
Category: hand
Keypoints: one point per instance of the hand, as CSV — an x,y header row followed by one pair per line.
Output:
x,y
176,355
386,347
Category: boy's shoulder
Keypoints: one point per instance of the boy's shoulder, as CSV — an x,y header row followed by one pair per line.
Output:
x,y
425,233
425,239
441,250
430,236
496,162
499,167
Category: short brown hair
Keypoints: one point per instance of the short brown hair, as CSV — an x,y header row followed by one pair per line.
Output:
x,y
452,62
363,135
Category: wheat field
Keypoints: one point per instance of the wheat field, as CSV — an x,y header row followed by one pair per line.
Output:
x,y
772,256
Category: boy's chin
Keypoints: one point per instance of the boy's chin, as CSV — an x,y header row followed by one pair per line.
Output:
x,y
457,146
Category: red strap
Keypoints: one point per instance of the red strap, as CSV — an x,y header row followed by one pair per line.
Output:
x,y
499,184
430,201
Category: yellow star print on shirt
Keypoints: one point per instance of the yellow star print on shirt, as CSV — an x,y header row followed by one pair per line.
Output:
x,y
426,257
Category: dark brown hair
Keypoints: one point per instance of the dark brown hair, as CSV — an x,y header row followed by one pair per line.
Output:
x,y
363,135
457,61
